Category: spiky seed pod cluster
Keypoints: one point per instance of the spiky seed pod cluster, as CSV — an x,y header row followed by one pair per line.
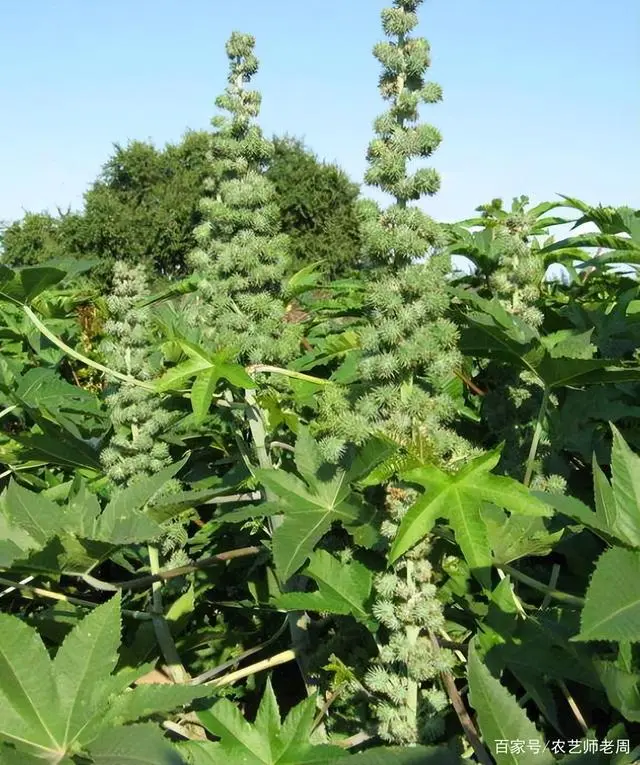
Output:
x,y
514,397
136,449
399,235
519,277
409,354
518,281
409,347
404,677
241,255
399,137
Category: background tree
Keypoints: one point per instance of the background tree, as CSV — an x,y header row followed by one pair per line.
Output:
x,y
141,210
408,343
144,205
39,237
317,203
242,256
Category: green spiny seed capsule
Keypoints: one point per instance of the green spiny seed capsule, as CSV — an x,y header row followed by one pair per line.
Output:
x,y
136,449
409,346
242,256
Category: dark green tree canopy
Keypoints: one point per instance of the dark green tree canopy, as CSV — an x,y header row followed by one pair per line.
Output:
x,y
143,207
317,205
39,237
142,210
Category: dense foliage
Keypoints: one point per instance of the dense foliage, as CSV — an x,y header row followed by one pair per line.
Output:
x,y
318,211
256,515
145,204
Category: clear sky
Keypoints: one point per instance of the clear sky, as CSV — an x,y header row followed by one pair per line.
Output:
x,y
539,97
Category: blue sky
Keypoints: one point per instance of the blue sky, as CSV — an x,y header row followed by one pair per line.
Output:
x,y
539,98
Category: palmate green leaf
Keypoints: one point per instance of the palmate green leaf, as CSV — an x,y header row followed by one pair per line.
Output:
x,y
531,652
42,389
516,536
308,457
612,607
493,333
23,285
10,756
610,220
142,744
202,391
176,377
532,648
29,697
122,521
165,508
66,553
150,699
15,543
605,501
240,742
268,741
569,343
578,511
38,516
57,445
39,535
87,656
327,350
560,372
460,499
625,471
82,511
310,506
201,752
292,743
364,462
64,706
622,688
500,717
599,241
308,515
617,515
208,369
175,289
537,686
343,588
304,279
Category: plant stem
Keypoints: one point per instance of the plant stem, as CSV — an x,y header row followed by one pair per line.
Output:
x,y
8,410
537,434
555,573
161,576
261,666
211,673
249,496
563,597
298,620
51,595
575,709
287,373
412,632
461,711
79,356
163,633
26,580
